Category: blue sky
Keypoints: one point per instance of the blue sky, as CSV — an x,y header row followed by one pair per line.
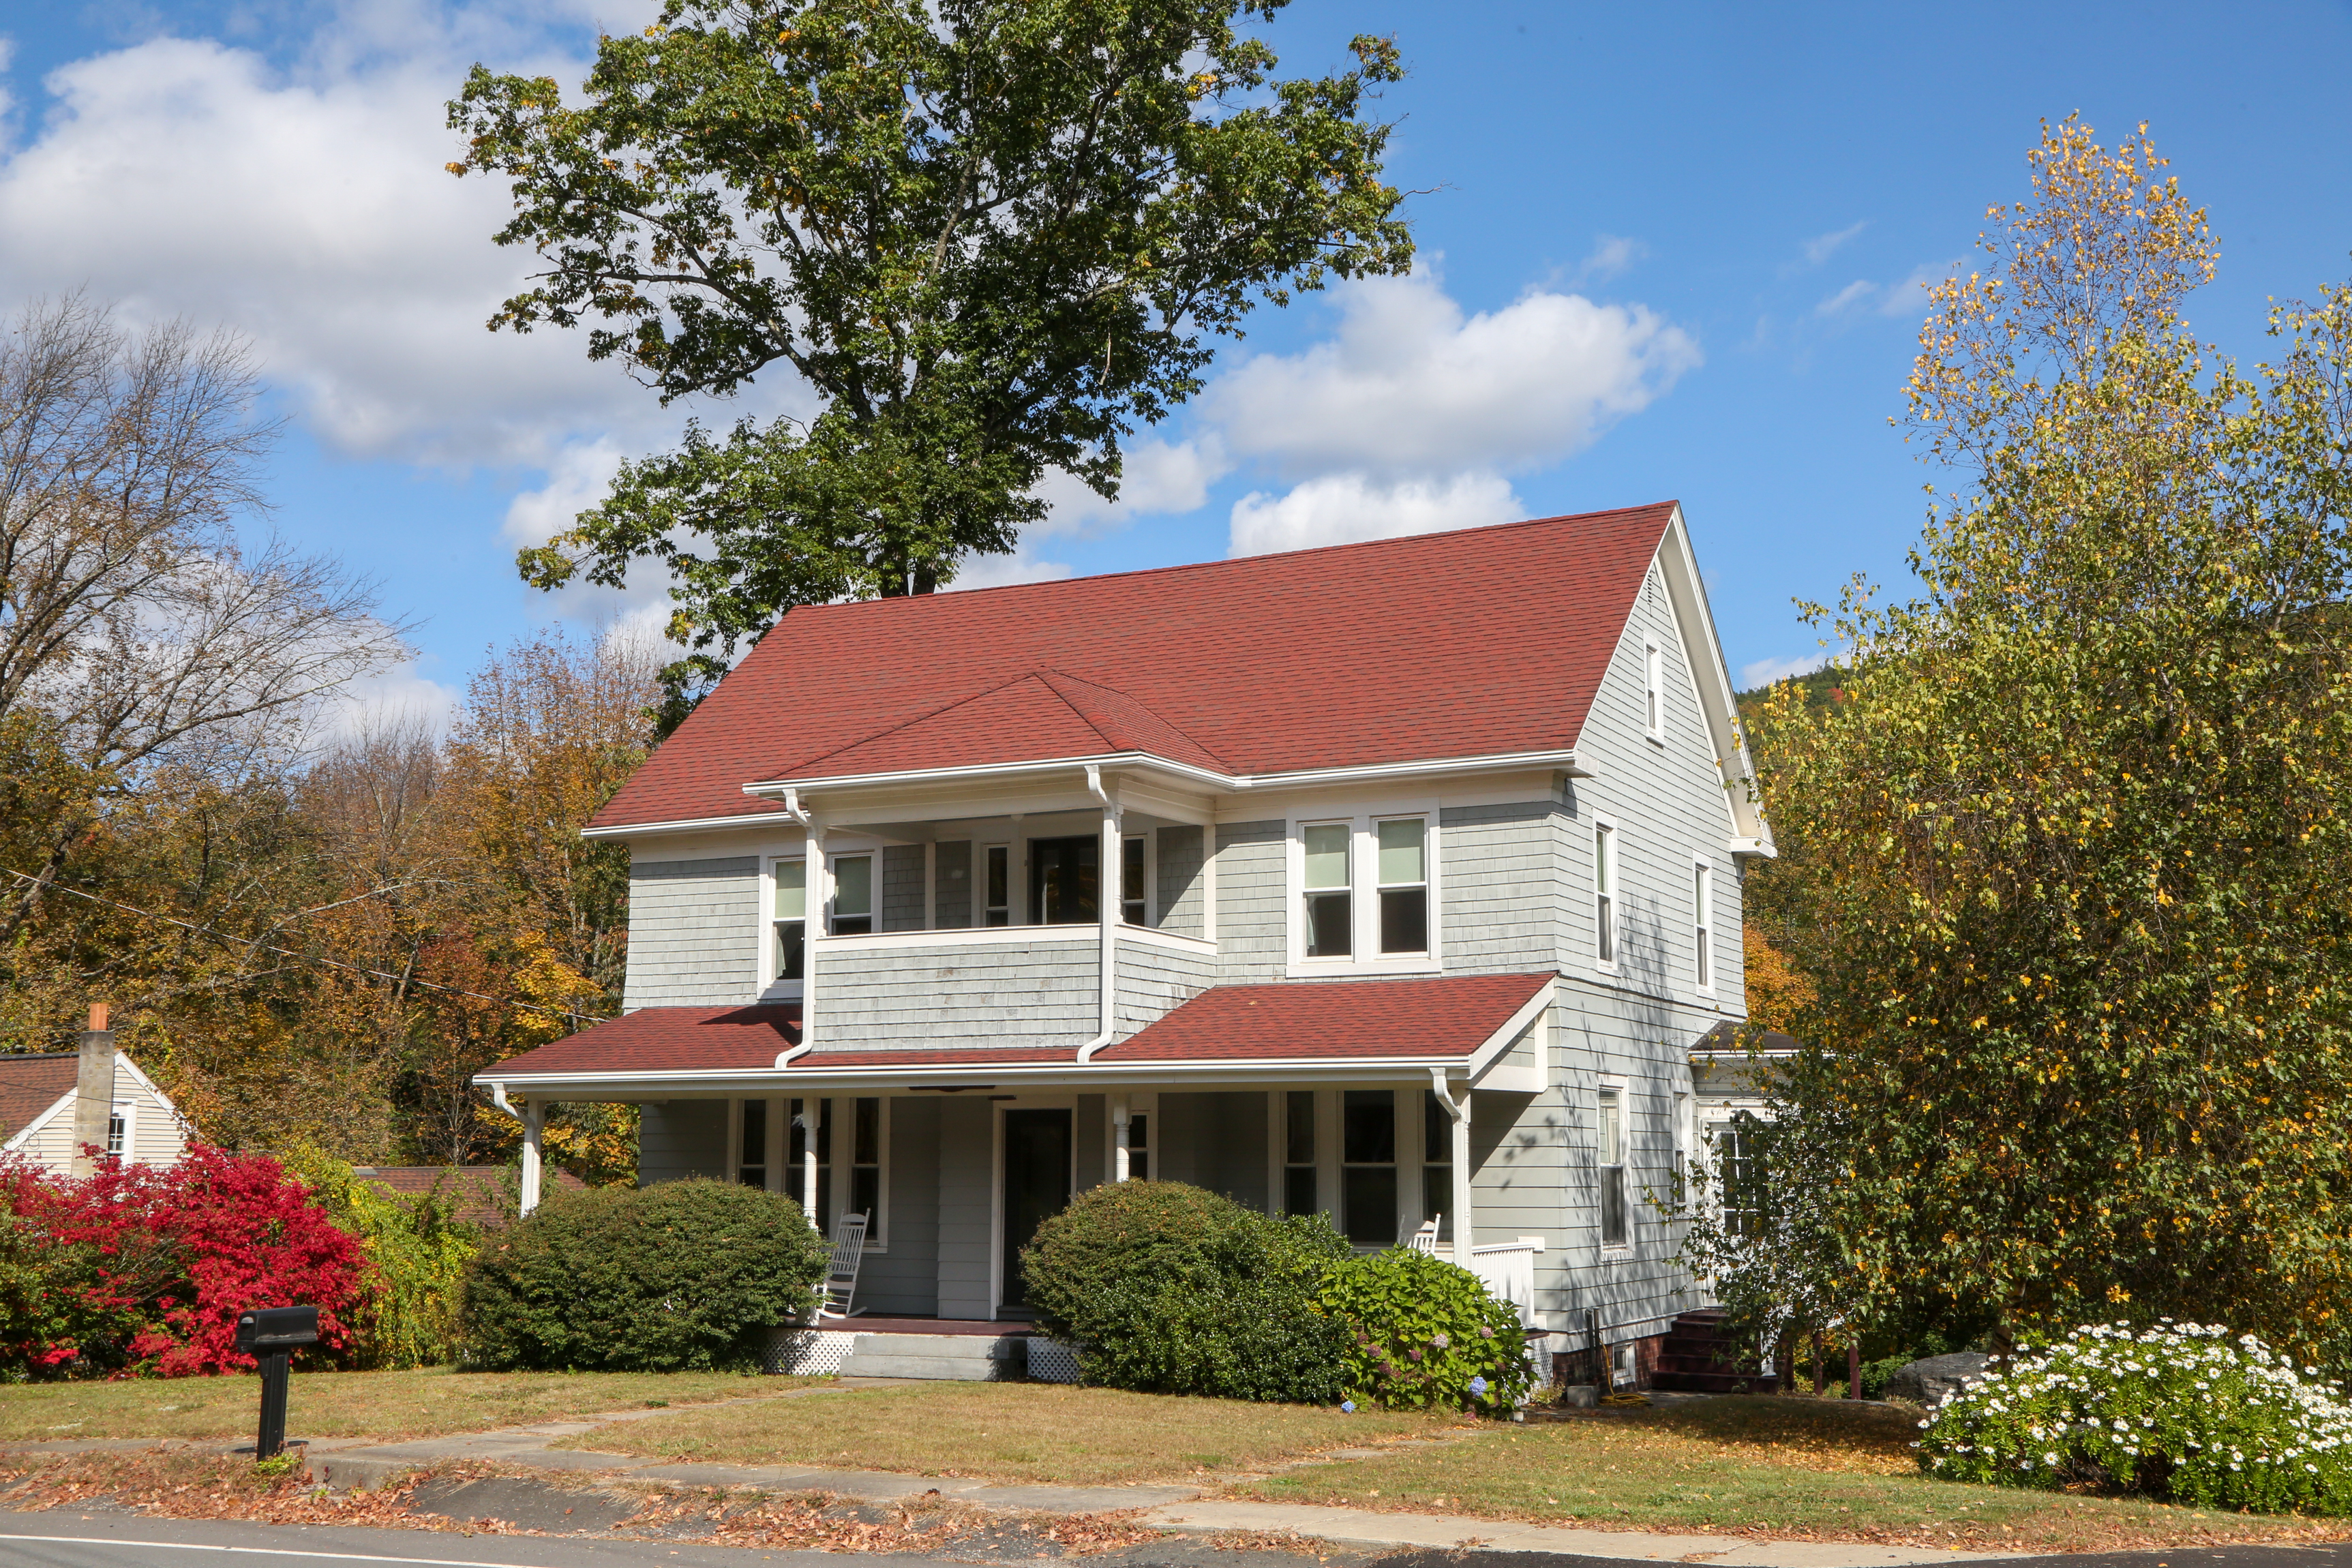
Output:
x,y
1668,250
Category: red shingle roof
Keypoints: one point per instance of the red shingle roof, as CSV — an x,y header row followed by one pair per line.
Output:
x,y
667,1039
1484,642
30,1085
1452,1017
1297,1020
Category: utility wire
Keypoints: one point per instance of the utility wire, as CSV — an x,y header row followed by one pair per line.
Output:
x,y
305,957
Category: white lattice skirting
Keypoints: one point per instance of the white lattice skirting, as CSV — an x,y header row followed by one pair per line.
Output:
x,y
1051,1360
807,1352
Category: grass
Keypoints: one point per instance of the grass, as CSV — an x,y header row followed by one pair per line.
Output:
x,y
1034,1432
1786,1467
387,1404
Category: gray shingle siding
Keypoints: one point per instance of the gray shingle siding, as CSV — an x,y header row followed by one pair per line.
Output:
x,y
1180,899
1040,992
966,1144
1497,912
694,935
682,1139
1252,942
902,887
905,1277
1150,980
953,903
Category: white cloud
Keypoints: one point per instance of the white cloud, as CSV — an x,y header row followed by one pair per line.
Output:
x,y
1157,476
1001,571
1612,254
1765,671
389,698
1821,247
1342,509
309,208
1856,293
1410,386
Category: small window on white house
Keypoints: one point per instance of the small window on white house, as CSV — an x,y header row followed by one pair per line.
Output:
x,y
117,1129
997,887
1604,891
1610,1159
1132,905
1405,884
853,895
1330,912
1703,928
790,918
1654,670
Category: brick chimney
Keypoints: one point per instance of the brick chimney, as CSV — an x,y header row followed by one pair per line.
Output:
x,y
93,1089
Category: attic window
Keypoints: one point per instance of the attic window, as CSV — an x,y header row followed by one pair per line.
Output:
x,y
1654,666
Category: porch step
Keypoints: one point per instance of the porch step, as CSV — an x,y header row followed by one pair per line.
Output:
x,y
959,1358
1700,1356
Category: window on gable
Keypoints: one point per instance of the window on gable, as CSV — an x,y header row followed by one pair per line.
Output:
x,y
1654,681
1610,1157
1404,885
853,895
115,1130
790,918
1703,933
1604,891
1329,891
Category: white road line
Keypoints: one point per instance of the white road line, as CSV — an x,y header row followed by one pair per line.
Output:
x,y
253,1551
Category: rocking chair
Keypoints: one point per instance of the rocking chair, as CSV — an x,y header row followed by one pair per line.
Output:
x,y
841,1273
1426,1239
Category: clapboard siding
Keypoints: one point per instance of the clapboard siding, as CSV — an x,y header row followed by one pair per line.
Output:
x,y
905,1276
967,1234
694,932
1253,942
1042,992
1181,894
682,1139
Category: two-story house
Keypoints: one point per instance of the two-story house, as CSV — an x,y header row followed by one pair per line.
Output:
x,y
1394,880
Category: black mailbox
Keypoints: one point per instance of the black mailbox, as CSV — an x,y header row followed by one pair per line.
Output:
x,y
277,1329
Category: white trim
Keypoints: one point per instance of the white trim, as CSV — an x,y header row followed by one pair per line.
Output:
x,y
774,988
1703,926
1610,1083
1711,678
1360,1071
688,825
1199,946
976,936
1490,1066
1365,959
1068,1102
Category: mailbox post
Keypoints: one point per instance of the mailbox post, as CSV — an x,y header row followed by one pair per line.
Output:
x,y
270,1333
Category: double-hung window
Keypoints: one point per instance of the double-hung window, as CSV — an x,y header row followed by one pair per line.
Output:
x,y
790,921
996,885
751,1143
1604,891
1368,1169
1405,884
853,895
1654,670
1133,906
1299,1195
1703,923
1610,1159
1330,909
865,1162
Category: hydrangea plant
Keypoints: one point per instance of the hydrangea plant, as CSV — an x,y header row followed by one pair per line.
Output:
x,y
1423,1334
2178,1410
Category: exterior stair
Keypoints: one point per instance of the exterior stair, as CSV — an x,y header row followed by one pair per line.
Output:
x,y
1700,1357
965,1358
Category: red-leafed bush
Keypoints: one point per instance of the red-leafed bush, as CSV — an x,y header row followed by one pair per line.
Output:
x,y
147,1268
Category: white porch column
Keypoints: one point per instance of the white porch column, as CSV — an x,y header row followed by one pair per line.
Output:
x,y
1465,1218
818,913
1122,1124
1109,900
534,1122
811,1119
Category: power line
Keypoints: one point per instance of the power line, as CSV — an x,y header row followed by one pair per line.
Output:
x,y
306,957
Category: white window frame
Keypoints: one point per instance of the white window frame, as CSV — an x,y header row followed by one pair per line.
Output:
x,y
1621,1091
844,1162
127,1111
1653,689
773,987
1151,842
1363,890
873,916
980,907
1607,882
1703,963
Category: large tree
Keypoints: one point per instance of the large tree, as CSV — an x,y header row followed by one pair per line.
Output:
x,y
2065,857
988,236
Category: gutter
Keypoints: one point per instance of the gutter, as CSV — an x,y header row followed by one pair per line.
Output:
x,y
1110,898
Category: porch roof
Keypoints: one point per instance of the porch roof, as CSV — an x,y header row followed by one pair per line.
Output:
x,y
1316,1023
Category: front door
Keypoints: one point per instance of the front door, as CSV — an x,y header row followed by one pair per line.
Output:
x,y
1036,1184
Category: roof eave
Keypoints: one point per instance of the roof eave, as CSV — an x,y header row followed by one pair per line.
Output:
x,y
966,1075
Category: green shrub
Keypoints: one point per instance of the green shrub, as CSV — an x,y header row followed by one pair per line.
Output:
x,y
1423,1333
416,1251
686,1275
1166,1288
2180,1412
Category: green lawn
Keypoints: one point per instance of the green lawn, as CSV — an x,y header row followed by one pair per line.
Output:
x,y
1009,1431
1767,1465
388,1405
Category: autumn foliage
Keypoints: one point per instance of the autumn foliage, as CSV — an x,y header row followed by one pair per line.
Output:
x,y
145,1269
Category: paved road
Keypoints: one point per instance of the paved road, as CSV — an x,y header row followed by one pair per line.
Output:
x,y
61,1540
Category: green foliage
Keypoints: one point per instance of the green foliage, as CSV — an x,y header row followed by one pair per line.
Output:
x,y
1166,1288
52,1303
682,1277
416,1251
2066,859
2182,1412
988,237
1425,1334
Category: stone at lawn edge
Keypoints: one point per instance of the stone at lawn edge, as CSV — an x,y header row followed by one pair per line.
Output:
x,y
1937,1378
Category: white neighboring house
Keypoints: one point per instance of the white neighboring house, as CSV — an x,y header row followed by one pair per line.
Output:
x,y
36,1111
